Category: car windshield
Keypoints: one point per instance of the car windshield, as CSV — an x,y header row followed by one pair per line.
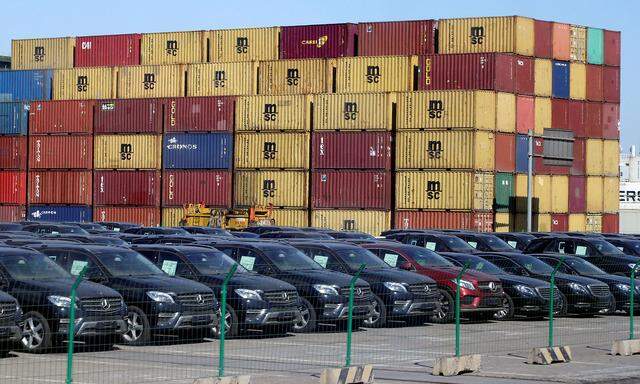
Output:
x,y
10,227
497,244
536,266
290,259
108,240
606,248
123,262
212,262
32,266
70,229
427,258
91,226
351,235
482,265
456,244
583,267
355,257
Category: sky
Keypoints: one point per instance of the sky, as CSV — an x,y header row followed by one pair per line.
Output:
x,y
45,18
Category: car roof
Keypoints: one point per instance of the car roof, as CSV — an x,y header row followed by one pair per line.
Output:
x,y
91,248
326,243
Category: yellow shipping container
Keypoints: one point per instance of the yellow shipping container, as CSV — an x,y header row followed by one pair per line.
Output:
x,y
593,223
291,217
84,83
487,34
171,216
222,79
610,157
520,192
542,76
578,81
502,222
449,190
447,109
578,44
506,119
559,194
372,222
353,111
577,222
55,53
273,113
542,115
173,48
149,81
279,188
541,193
594,194
594,157
249,44
539,222
373,74
550,193
127,151
449,149
267,150
611,192
289,77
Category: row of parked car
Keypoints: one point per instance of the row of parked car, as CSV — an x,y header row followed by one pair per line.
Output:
x,y
141,282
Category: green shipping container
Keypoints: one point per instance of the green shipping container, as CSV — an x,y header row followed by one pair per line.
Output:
x,y
595,46
504,191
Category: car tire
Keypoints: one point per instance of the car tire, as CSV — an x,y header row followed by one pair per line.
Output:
x,y
507,311
564,309
307,322
232,327
139,329
378,318
445,312
38,336
5,348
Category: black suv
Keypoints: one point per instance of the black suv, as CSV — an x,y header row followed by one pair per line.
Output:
x,y
485,242
86,239
10,323
43,228
253,301
324,294
399,295
157,303
437,242
517,240
116,227
42,289
628,245
208,231
155,231
92,228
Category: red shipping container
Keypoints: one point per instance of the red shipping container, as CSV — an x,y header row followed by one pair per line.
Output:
x,y
577,194
610,223
396,38
128,116
540,168
482,221
318,41
594,82
611,84
11,213
593,120
525,114
479,221
107,51
61,116
60,187
543,38
60,152
568,114
351,150
199,114
505,151
579,157
351,189
146,216
13,152
610,121
612,48
212,188
559,222
13,187
140,188
492,71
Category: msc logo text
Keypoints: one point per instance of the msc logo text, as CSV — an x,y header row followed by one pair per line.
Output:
x,y
126,151
477,35
433,190
269,188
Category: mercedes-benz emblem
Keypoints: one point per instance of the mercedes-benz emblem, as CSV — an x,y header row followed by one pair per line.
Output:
x,y
105,304
1,311
199,299
358,291
492,286
285,296
427,288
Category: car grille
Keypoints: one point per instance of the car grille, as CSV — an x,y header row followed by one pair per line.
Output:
x,y
545,292
424,290
281,297
102,305
7,310
484,287
599,290
196,301
358,292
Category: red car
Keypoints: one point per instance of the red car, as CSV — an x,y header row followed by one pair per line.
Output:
x,y
481,295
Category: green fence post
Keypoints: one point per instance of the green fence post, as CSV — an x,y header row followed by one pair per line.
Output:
x,y
457,309
352,286
631,303
552,284
72,324
223,314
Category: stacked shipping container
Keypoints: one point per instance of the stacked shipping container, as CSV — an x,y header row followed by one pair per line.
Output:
x,y
13,160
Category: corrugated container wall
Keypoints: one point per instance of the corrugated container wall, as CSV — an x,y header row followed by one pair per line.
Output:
x,y
372,222
373,74
543,75
288,77
107,50
14,118
266,150
318,41
137,188
247,44
147,216
84,83
13,152
51,53
351,150
578,81
560,80
149,81
595,46
354,111
60,152
222,79
612,48
273,113
171,217
478,221
173,48
59,213
594,82
291,217
127,152
13,187
128,116
197,150
578,44
382,38
199,114
543,37
47,117
351,189
11,213
60,187
25,85
279,188
561,41
505,152
212,188
611,84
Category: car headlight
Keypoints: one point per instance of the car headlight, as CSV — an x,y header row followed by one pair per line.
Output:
x,y
632,265
395,287
249,294
60,301
465,284
579,288
161,297
524,290
624,287
324,289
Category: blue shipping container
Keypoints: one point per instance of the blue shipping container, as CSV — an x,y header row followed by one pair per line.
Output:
x,y
560,80
59,213
26,85
14,118
522,153
197,151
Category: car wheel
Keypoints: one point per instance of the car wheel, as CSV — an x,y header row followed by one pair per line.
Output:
x,y
307,320
5,347
138,328
564,306
378,316
506,313
444,314
37,333
231,326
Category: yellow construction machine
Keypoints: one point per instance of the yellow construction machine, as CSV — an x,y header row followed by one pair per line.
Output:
x,y
199,215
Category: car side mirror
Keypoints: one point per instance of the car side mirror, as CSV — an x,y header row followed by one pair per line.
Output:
x,y
407,266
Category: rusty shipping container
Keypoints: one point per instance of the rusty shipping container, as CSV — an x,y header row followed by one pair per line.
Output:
x,y
107,50
279,188
351,150
593,119
543,36
173,48
372,222
290,77
146,81
127,152
594,82
569,115
268,150
610,121
611,84
52,117
396,38
351,189
199,114
84,83
212,188
60,187
147,216
373,74
353,111
477,221
12,213
13,152
13,187
318,41
128,116
273,113
223,79
612,46
578,43
133,188
245,44
610,223
61,152
505,152
50,53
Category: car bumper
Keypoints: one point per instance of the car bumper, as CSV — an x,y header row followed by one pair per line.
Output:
x,y
10,333
271,316
340,311
589,305
533,306
482,304
88,327
414,307
176,321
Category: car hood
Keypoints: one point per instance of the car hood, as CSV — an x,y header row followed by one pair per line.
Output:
x,y
394,275
162,283
611,279
524,280
4,297
62,287
563,278
248,281
452,273
318,276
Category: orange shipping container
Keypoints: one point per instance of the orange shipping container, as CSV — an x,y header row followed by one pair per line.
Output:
x,y
561,41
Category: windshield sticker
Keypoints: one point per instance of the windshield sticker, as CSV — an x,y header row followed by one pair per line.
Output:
x,y
247,262
77,266
53,257
391,259
620,248
116,229
479,266
512,243
581,250
322,260
430,245
528,266
473,244
169,267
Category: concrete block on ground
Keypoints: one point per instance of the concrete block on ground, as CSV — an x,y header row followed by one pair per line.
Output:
x,y
362,374
546,356
452,366
224,380
625,347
